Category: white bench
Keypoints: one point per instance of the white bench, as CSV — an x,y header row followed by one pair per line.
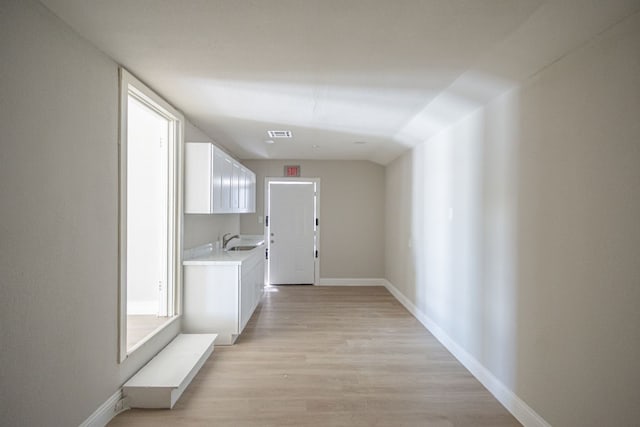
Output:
x,y
161,382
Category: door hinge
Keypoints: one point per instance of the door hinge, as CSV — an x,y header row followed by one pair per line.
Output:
x,y
316,253
266,221
266,254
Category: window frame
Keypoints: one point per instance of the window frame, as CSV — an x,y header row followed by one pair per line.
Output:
x,y
130,84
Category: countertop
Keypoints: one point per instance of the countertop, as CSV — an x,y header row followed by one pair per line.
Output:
x,y
211,254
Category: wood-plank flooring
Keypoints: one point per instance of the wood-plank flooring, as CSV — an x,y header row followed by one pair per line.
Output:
x,y
330,356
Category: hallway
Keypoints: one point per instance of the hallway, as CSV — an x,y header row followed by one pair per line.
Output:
x,y
331,356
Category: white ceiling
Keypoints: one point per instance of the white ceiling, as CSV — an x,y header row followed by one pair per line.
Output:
x,y
389,73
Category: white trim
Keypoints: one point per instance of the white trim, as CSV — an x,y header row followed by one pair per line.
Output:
x,y
523,412
107,411
153,333
316,275
161,382
352,282
267,212
130,84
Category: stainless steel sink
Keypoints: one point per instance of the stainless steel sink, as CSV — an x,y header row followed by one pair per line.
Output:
x,y
241,248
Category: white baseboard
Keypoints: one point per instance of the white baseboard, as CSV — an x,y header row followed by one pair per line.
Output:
x,y
352,282
107,411
523,412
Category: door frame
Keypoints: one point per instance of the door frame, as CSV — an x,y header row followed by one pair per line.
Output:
x,y
317,224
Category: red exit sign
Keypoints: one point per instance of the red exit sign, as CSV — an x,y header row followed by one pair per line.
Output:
x,y
291,170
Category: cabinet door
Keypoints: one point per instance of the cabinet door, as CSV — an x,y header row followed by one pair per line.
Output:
x,y
227,172
251,191
252,278
235,188
258,280
242,190
246,297
218,180
211,300
197,178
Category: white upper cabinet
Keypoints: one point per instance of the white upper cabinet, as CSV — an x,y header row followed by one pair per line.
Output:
x,y
242,190
251,191
217,177
199,178
225,191
215,182
235,188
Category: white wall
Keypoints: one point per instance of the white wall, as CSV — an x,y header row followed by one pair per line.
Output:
x,y
516,233
351,213
58,238
201,229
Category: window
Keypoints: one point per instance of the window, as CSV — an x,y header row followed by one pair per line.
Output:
x,y
149,215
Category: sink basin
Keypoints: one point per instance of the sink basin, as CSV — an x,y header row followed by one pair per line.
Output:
x,y
240,248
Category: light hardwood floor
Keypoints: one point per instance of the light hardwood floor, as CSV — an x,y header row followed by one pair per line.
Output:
x,y
330,356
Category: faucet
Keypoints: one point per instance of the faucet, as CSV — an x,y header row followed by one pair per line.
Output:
x,y
225,240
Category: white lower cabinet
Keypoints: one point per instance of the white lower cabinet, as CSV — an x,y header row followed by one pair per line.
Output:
x,y
220,298
251,287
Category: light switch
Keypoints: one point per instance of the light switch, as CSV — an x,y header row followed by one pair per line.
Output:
x,y
259,219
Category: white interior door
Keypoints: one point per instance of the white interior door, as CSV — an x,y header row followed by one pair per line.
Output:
x,y
292,232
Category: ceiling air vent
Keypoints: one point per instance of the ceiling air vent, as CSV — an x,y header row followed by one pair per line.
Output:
x,y
279,133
